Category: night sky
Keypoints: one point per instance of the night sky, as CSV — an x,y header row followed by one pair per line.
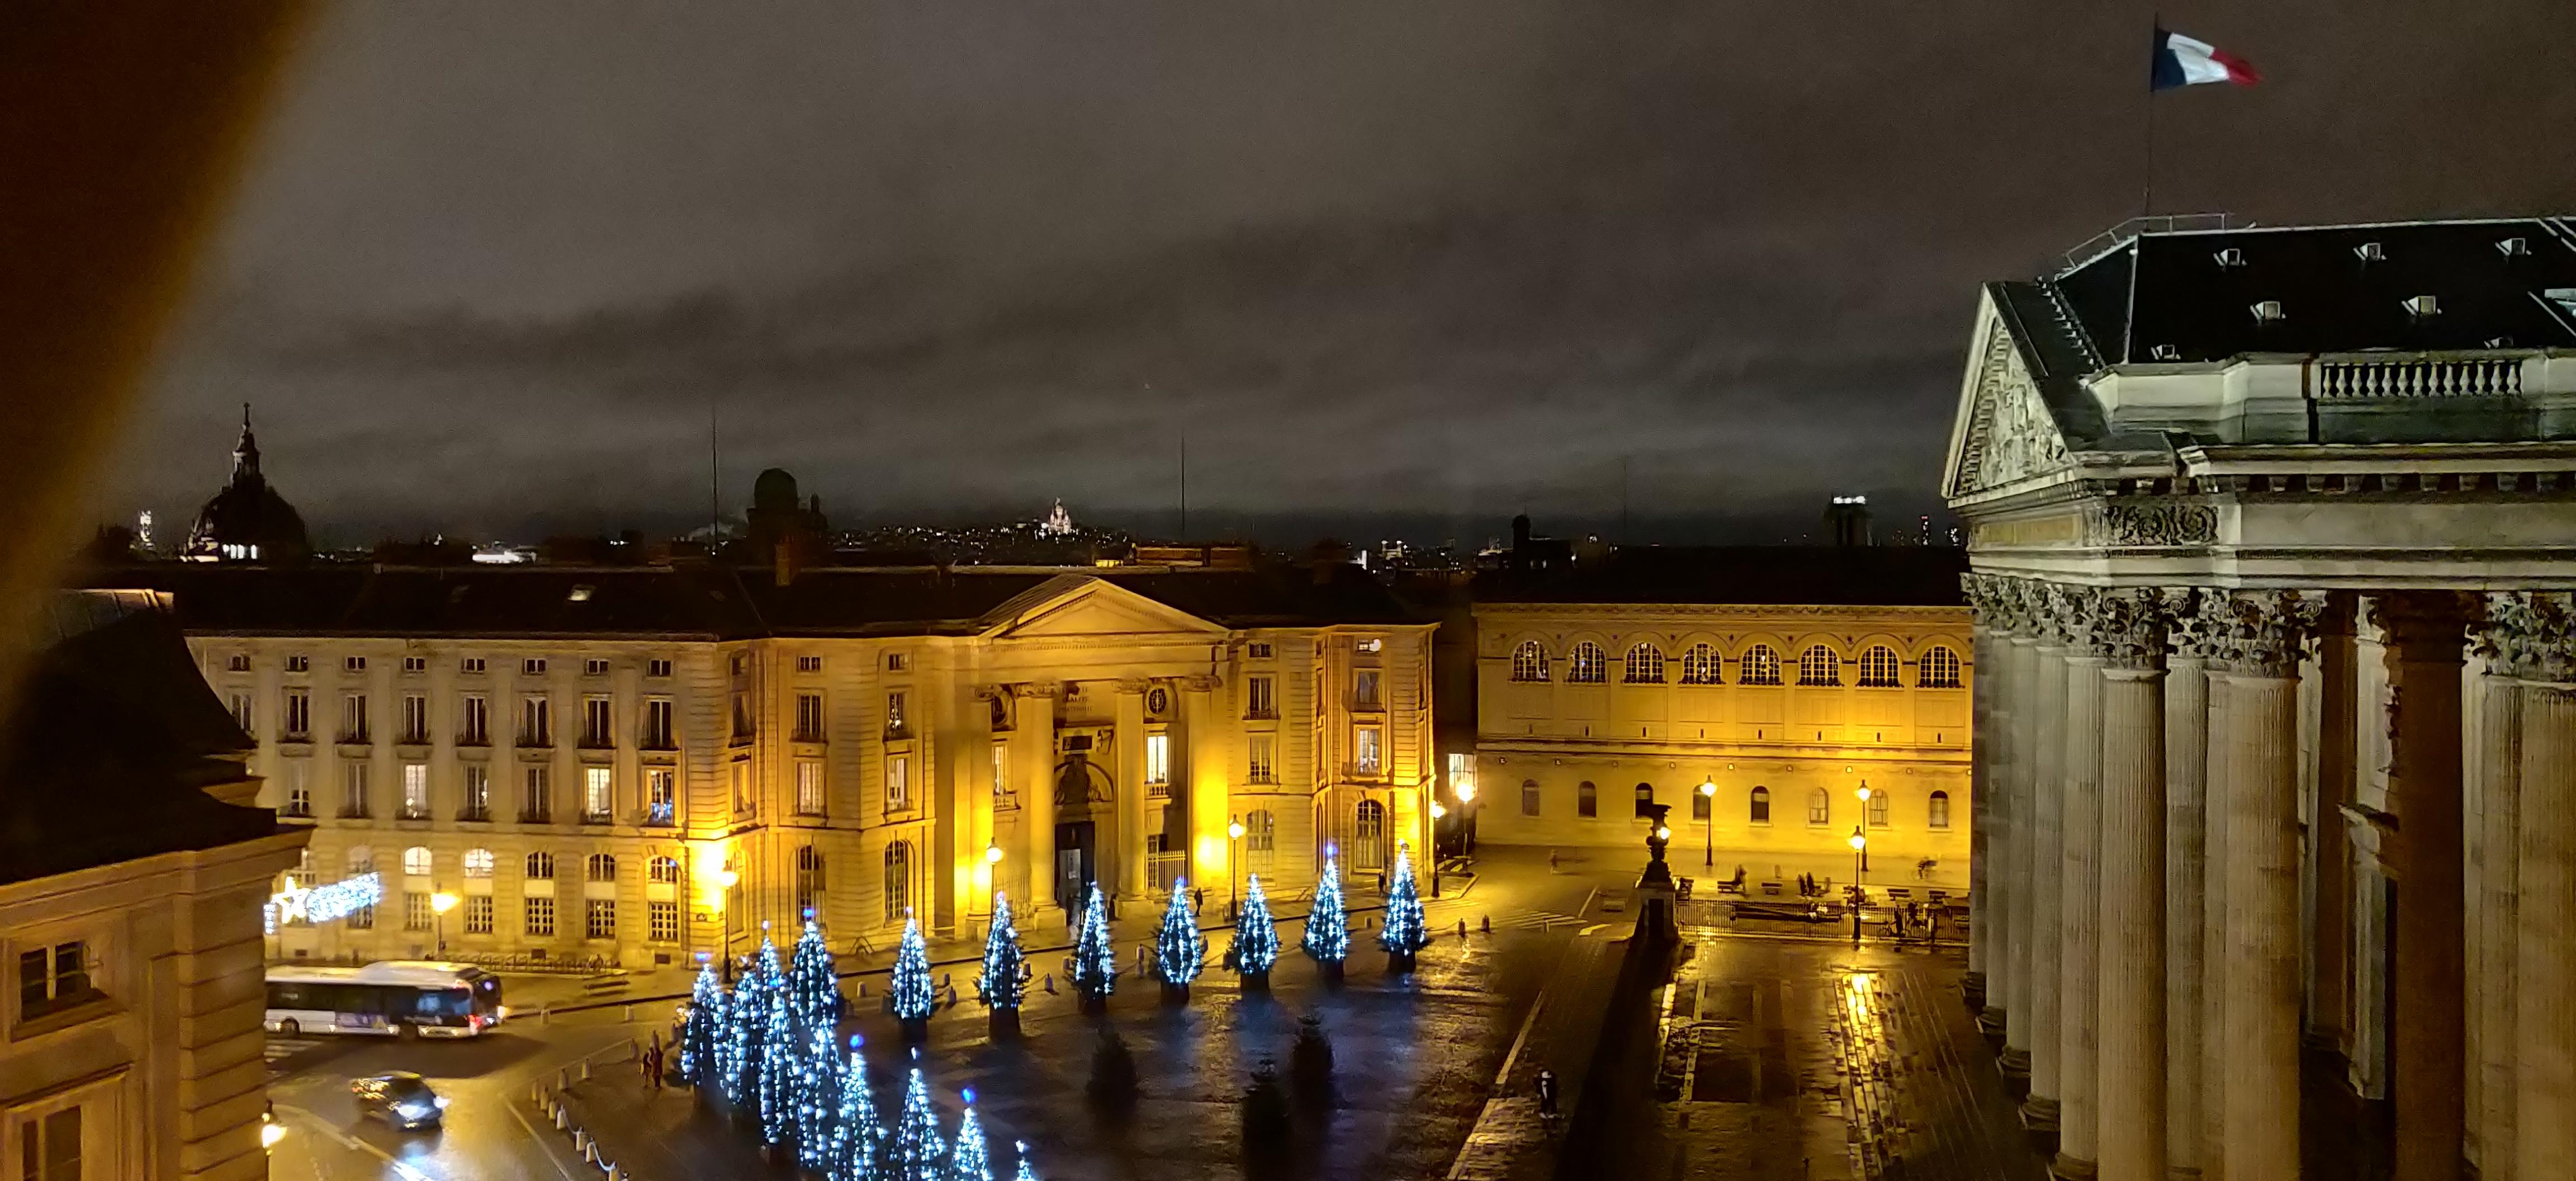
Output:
x,y
1394,269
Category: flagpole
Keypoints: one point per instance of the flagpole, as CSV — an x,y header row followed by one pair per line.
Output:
x,y
2147,198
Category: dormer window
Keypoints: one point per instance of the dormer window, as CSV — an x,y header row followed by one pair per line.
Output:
x,y
2267,312
2370,252
2514,247
2230,257
2163,352
2422,306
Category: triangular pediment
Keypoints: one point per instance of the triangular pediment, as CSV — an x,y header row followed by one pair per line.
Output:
x,y
1084,606
2003,433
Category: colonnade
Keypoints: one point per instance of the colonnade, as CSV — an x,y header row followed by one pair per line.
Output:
x,y
2138,942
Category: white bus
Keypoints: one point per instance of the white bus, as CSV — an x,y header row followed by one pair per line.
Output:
x,y
401,998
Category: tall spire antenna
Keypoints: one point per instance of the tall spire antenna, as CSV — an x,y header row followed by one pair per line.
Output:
x,y
1185,485
715,485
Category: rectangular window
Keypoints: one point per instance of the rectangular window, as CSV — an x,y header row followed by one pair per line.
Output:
x,y
599,918
1371,644
536,721
477,804
478,914
657,667
1158,762
741,785
299,716
415,664
1258,701
1529,797
541,917
894,714
1002,774
1366,756
898,782
595,667
1257,651
536,801
809,787
51,1147
534,666
597,795
416,913
470,664
241,713
353,664
354,804
361,919
1264,760
353,718
1878,808
1699,807
664,920
1587,800
809,664
237,662
299,789
657,724
53,978
1820,808
299,664
743,726
415,719
476,715
1364,690
809,717
661,795
415,791
897,662
596,730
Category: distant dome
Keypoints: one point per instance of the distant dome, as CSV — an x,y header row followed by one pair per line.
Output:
x,y
247,521
775,489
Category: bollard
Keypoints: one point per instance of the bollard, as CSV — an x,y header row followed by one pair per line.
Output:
x,y
580,1141
1487,922
585,1070
563,1079
546,1013
1050,983
627,1013
616,1174
1462,928
563,1122
590,1152
863,990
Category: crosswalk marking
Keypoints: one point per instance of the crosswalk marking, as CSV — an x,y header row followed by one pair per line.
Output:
x,y
280,1047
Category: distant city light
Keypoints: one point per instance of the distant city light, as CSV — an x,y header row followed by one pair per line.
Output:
x,y
1849,500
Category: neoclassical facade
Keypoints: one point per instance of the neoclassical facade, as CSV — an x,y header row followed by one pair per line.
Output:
x,y
583,755
2272,533
1591,702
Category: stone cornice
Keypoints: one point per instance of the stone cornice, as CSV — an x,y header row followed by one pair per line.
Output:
x,y
1745,611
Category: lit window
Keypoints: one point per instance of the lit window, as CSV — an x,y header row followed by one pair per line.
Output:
x,y
894,715
809,787
1877,668
1263,751
1699,665
1645,665
1158,760
598,794
478,863
661,792
1939,816
1260,832
1587,665
416,861
1367,756
415,791
1940,668
663,871
1761,666
416,912
1529,662
1002,774
477,804
1819,666
898,783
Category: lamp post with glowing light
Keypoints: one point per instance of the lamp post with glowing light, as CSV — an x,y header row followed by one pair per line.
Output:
x,y
1464,787
439,904
1438,810
725,879
1708,823
1864,821
1860,865
992,875
1233,857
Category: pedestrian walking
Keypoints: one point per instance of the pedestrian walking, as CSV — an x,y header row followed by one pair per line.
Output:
x,y
652,1060
1551,861
1547,1092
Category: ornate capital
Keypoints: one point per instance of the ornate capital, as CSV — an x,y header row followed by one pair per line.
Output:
x,y
1200,683
1134,684
2532,633
2129,626
2266,633
2068,614
2195,622
1038,689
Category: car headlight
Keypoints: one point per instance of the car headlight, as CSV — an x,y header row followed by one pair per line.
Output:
x,y
441,1101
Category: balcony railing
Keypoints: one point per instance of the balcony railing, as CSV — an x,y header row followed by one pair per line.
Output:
x,y
474,814
297,810
2423,375
1158,789
413,812
536,815
591,817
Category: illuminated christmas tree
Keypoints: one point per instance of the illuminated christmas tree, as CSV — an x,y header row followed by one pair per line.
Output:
x,y
918,1150
702,1038
971,1162
1001,983
781,1053
1028,1172
1328,925
913,998
741,1060
813,986
1095,959
1403,934
858,1137
1256,938
1179,953
818,1101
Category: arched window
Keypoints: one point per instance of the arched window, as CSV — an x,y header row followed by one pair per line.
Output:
x,y
1587,799
1761,666
1940,668
1940,814
1369,836
898,881
1699,665
1589,665
1879,804
541,867
663,871
1761,805
809,883
1645,800
1878,668
416,861
478,863
1529,797
1819,666
1260,833
602,868
1820,807
1529,662
1645,665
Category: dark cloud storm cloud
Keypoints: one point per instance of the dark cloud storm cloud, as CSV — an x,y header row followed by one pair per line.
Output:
x,y
1416,266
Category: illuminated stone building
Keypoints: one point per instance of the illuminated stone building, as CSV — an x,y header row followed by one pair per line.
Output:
x,y
2274,532
582,754
1785,678
133,866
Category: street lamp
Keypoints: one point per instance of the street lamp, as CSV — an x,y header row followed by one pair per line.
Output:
x,y
725,879
1233,855
1864,819
1708,822
1860,854
439,904
1438,810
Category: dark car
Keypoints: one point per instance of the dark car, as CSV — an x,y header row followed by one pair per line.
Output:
x,y
401,1099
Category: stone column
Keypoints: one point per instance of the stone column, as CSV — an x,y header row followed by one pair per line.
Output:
x,y
2023,887
2044,736
2330,851
2262,868
1033,776
2079,907
2215,629
2500,790
2129,632
2537,635
1981,786
1990,890
1199,787
2425,630
2186,806
1126,850
2018,655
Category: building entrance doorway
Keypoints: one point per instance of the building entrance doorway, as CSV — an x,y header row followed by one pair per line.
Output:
x,y
1076,864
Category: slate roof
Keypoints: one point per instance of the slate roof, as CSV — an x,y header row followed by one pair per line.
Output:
x,y
710,602
112,743
2171,289
1854,576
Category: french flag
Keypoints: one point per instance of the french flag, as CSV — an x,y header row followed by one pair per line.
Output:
x,y
2182,61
